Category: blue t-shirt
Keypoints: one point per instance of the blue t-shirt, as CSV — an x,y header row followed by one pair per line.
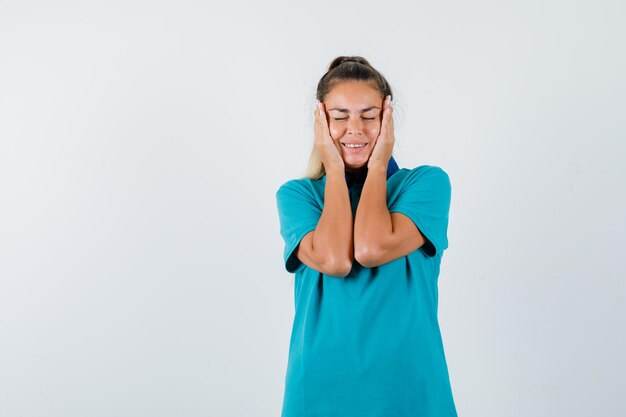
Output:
x,y
369,344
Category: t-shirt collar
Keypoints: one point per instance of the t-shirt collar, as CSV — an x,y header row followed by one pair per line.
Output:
x,y
358,178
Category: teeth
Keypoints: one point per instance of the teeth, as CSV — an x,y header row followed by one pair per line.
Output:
x,y
353,145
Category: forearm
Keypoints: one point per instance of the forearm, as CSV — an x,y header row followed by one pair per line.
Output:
x,y
372,225
333,237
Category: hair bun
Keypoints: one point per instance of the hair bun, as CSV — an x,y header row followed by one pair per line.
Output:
x,y
342,59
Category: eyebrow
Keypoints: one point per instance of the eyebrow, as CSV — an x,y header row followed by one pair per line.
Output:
x,y
347,111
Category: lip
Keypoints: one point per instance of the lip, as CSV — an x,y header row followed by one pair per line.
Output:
x,y
355,150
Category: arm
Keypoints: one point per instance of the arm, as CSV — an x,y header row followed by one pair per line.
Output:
x,y
329,247
380,236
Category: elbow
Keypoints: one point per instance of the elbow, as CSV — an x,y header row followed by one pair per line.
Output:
x,y
339,268
366,255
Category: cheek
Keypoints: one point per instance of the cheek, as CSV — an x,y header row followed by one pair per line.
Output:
x,y
335,131
373,131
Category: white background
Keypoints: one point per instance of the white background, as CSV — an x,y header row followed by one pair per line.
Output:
x,y
142,143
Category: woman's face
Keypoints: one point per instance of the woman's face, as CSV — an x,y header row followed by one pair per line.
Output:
x,y
354,117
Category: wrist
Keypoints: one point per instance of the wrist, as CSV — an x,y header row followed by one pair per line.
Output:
x,y
376,166
336,170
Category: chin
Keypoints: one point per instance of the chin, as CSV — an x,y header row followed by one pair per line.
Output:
x,y
355,165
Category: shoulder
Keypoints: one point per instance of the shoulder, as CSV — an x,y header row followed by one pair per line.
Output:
x,y
297,184
299,188
426,174
431,170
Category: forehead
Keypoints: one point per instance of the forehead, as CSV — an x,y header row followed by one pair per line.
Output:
x,y
352,94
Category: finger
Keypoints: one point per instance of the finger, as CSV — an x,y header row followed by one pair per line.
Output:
x,y
317,124
384,126
388,128
321,110
321,125
319,114
389,116
374,150
324,121
386,102
338,146
318,109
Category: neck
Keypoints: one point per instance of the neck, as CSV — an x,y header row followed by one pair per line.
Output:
x,y
357,170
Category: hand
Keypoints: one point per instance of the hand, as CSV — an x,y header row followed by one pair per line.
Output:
x,y
383,145
328,148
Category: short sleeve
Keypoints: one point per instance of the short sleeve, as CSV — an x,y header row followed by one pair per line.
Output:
x,y
298,213
425,199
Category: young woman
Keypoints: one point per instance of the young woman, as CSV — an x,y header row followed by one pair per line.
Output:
x,y
365,241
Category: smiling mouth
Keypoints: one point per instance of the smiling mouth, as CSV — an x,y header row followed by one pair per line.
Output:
x,y
354,145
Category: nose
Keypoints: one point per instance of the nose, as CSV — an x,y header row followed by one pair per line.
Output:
x,y
355,127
